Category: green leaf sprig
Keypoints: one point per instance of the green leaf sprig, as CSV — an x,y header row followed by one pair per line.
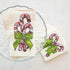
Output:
x,y
18,36
50,47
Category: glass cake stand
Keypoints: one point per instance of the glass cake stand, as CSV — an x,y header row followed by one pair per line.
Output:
x,y
40,36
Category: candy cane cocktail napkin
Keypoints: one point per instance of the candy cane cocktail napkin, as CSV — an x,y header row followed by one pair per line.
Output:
x,y
55,44
19,25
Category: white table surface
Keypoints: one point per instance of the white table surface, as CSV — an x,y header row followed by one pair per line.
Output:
x,y
55,13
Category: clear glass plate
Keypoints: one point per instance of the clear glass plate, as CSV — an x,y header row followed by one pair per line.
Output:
x,y
40,36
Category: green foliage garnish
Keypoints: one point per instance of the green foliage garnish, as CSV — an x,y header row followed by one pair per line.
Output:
x,y
16,43
29,36
48,43
51,48
29,43
18,36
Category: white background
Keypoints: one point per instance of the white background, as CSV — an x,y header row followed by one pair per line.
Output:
x,y
55,13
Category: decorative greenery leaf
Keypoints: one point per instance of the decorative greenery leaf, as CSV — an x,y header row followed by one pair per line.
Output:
x,y
29,43
29,36
16,43
48,50
51,49
48,43
19,37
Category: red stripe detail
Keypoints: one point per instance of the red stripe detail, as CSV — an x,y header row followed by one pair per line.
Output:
x,y
54,34
21,43
24,15
29,25
29,20
59,50
57,38
18,22
15,28
30,32
23,28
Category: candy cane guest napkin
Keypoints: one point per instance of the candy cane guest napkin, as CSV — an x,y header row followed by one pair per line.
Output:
x,y
55,44
19,25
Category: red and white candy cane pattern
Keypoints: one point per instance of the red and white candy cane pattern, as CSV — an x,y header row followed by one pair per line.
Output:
x,y
61,47
17,25
21,22
55,36
27,26
25,16
23,46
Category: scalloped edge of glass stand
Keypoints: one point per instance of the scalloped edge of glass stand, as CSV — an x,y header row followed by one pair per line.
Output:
x,y
17,60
